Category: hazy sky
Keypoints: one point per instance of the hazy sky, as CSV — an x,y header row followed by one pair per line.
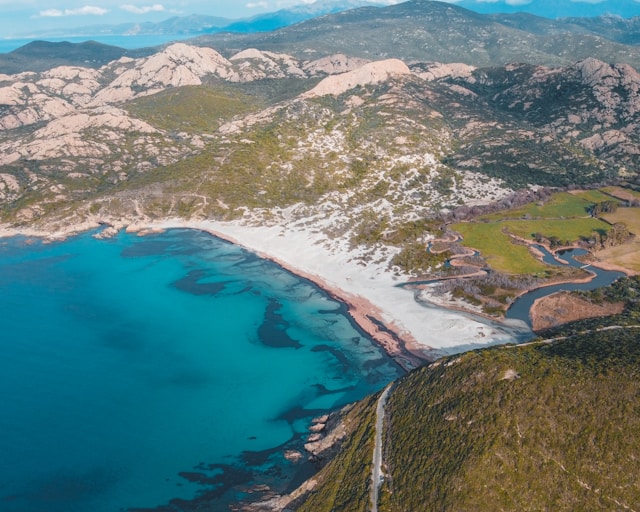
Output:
x,y
22,16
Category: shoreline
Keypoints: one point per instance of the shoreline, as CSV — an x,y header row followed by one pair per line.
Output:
x,y
411,333
396,344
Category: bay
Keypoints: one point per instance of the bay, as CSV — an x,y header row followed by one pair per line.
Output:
x,y
174,368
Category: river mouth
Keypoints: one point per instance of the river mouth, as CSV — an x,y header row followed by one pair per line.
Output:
x,y
517,323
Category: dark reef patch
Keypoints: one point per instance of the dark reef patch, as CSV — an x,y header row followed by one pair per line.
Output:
x,y
272,332
64,489
338,354
191,283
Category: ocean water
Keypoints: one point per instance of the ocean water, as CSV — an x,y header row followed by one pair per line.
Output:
x,y
138,372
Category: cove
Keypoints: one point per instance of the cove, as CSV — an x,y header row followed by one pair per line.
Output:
x,y
167,372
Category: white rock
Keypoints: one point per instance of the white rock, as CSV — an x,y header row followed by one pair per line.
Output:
x,y
334,64
372,73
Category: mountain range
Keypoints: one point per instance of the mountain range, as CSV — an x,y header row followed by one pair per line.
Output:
x,y
196,24
557,8
421,30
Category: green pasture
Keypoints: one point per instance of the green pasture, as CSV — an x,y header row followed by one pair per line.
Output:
x,y
569,230
564,216
195,108
497,248
559,206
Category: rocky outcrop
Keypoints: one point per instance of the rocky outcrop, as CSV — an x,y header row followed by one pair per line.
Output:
x,y
25,104
82,134
176,66
9,187
253,64
334,64
616,87
372,73
436,70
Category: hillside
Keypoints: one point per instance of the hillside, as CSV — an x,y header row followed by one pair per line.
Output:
x,y
548,426
422,30
362,149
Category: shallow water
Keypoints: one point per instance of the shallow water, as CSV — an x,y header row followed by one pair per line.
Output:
x,y
136,370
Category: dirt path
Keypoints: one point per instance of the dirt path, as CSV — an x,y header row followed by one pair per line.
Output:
x,y
376,466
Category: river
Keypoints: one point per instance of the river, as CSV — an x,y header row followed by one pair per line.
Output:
x,y
521,307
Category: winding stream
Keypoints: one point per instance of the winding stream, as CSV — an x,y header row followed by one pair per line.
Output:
x,y
521,307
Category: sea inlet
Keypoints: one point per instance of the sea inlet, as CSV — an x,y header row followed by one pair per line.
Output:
x,y
166,372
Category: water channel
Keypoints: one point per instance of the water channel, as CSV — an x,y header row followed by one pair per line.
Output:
x,y
520,309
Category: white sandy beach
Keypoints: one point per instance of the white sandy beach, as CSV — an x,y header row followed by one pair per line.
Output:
x,y
423,329
370,290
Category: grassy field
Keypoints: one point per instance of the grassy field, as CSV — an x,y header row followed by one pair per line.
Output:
x,y
564,216
497,248
199,109
629,216
563,229
561,205
624,194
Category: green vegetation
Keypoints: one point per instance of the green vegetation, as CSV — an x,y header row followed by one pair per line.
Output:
x,y
551,425
546,426
560,206
498,248
462,437
193,109
414,256
345,480
568,230
562,220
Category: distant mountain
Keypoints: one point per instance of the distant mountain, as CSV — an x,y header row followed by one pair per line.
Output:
x,y
177,25
296,14
196,24
613,28
422,30
41,55
557,8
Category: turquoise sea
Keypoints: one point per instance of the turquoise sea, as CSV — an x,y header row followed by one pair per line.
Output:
x,y
166,372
